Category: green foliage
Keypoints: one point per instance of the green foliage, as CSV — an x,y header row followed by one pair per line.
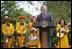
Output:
x,y
60,9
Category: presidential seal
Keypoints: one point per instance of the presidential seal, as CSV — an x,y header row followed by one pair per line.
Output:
x,y
44,23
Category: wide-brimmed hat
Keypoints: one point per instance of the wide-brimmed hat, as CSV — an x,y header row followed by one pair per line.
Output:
x,y
33,16
6,19
21,16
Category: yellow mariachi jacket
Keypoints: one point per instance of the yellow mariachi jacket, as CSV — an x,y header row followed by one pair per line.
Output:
x,y
31,26
7,29
21,28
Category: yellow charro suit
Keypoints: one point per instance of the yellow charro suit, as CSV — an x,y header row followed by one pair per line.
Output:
x,y
30,28
19,29
63,41
6,30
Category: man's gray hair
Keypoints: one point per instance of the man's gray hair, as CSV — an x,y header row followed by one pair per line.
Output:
x,y
43,6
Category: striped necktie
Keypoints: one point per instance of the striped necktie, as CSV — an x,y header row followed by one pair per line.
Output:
x,y
43,16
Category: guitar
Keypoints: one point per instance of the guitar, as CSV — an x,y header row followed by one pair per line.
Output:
x,y
60,34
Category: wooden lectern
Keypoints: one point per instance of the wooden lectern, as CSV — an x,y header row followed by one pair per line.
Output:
x,y
44,25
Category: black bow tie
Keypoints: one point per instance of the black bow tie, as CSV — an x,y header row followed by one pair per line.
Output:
x,y
8,24
21,23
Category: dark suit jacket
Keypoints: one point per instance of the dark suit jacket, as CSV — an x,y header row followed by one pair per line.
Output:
x,y
48,17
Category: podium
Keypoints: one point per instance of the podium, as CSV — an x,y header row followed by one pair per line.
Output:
x,y
50,24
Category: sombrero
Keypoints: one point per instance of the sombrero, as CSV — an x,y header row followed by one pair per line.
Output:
x,y
6,19
21,16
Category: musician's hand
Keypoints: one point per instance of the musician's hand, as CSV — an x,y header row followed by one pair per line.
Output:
x,y
5,34
9,34
65,31
21,32
62,30
21,35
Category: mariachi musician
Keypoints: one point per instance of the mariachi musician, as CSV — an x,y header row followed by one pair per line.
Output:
x,y
7,30
62,31
21,29
33,19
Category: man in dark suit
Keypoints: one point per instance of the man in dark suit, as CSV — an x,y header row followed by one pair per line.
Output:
x,y
48,17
